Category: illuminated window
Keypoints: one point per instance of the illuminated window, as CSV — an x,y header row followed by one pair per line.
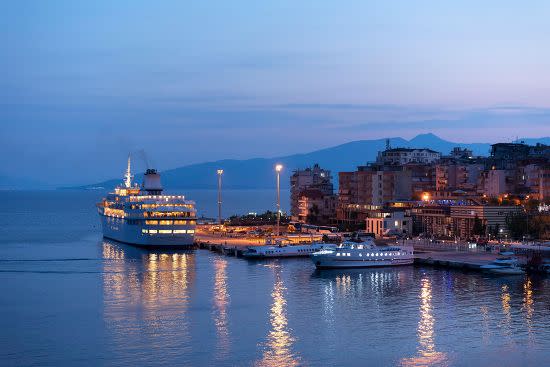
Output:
x,y
152,222
191,231
180,231
165,231
180,222
337,254
165,222
144,231
153,231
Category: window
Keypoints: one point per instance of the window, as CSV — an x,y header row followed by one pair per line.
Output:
x,y
180,231
165,231
153,231
152,222
165,222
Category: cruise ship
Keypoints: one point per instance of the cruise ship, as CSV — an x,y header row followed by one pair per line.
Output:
x,y
362,255
143,216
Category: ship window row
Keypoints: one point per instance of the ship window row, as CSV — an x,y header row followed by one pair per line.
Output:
x,y
155,206
169,222
168,214
307,250
377,254
168,231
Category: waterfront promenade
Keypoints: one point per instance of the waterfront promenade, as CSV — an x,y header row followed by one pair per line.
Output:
x,y
454,255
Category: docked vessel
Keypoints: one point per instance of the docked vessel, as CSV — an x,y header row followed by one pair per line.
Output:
x,y
285,250
505,265
143,216
362,255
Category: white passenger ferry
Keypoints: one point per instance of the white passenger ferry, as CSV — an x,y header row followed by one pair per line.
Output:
x,y
143,216
285,250
362,255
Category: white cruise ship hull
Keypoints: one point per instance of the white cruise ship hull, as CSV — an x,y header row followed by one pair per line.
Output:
x,y
137,233
321,263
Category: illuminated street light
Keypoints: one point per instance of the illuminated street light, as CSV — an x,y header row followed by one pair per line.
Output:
x,y
220,173
278,169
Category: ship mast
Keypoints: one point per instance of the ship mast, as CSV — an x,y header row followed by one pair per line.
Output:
x,y
128,176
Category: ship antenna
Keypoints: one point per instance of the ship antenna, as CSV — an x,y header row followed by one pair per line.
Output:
x,y
128,176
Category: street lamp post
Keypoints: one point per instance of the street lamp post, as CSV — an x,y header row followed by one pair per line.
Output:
x,y
278,169
220,173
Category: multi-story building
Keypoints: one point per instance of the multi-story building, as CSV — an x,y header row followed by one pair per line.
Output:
x,y
309,178
315,207
407,155
460,220
544,184
491,217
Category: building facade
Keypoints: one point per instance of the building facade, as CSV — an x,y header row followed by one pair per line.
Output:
x,y
310,178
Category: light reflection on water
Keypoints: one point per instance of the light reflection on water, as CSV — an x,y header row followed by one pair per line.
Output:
x,y
146,295
219,314
427,354
277,350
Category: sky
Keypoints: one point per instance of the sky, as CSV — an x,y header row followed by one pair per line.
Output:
x,y
82,83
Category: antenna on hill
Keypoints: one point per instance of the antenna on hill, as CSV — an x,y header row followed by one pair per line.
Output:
x,y
388,146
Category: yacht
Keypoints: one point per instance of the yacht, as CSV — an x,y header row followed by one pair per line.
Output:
x,y
143,216
281,250
504,265
361,255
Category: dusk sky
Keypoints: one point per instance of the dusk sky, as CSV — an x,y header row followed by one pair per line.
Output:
x,y
85,82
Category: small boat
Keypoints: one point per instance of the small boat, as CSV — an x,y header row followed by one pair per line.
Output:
x,y
506,265
282,250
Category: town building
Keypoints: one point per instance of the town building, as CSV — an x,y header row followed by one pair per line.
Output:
x,y
388,222
312,178
315,207
400,156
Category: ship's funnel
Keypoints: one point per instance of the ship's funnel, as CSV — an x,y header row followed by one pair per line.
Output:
x,y
151,182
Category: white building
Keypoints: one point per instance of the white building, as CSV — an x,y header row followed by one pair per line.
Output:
x,y
384,223
407,155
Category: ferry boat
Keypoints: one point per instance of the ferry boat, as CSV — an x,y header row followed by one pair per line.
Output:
x,y
282,250
143,216
362,255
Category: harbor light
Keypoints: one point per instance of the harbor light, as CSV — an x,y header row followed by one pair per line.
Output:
x,y
425,196
278,169
220,173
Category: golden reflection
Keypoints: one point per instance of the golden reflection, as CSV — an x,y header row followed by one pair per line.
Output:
x,y
528,305
278,348
221,301
426,352
506,310
146,293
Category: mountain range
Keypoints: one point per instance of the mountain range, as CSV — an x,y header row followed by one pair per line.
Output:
x,y
258,173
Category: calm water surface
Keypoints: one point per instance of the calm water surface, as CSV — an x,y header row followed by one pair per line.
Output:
x,y
69,298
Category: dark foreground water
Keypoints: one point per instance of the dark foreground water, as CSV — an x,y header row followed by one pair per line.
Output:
x,y
69,298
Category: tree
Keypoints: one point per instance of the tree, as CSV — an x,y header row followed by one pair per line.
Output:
x,y
517,224
479,227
